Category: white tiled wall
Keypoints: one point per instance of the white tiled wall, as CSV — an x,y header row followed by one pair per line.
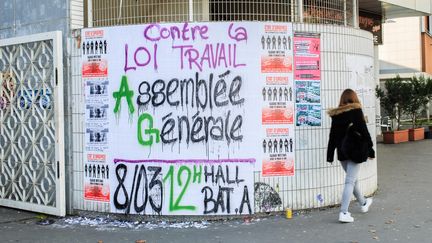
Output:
x,y
78,202
313,175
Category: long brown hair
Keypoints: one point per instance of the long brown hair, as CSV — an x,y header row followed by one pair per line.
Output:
x,y
349,96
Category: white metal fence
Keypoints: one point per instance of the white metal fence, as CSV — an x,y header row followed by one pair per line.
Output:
x,y
122,12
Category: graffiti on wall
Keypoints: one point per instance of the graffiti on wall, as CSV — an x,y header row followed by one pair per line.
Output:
x,y
175,111
194,128
158,187
267,199
7,89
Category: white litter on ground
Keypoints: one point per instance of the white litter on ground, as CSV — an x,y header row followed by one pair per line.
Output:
x,y
105,223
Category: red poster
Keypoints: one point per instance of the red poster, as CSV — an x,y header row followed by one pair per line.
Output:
x,y
97,192
276,64
277,116
279,167
95,69
96,178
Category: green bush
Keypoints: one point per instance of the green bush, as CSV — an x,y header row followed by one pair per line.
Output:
x,y
394,97
417,97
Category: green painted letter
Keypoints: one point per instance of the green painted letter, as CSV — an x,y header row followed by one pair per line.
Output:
x,y
124,91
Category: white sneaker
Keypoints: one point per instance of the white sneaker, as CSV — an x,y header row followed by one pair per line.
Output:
x,y
345,217
365,208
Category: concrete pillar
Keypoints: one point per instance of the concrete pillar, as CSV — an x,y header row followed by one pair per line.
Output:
x,y
377,83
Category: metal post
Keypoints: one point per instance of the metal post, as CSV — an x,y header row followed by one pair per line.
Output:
x,y
292,11
345,12
300,10
191,12
14,17
89,13
355,14
428,111
205,12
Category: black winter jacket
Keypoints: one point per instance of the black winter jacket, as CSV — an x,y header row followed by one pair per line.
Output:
x,y
341,118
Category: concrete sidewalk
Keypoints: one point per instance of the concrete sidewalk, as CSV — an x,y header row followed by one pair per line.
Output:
x,y
401,212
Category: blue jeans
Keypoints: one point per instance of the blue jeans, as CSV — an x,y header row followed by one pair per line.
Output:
x,y
351,186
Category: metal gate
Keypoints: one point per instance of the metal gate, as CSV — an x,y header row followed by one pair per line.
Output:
x,y
31,123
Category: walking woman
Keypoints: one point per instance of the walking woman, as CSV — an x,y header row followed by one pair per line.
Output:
x,y
349,113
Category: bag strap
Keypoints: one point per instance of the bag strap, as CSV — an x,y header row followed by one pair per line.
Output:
x,y
349,126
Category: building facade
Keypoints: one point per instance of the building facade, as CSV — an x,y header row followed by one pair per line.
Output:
x,y
407,47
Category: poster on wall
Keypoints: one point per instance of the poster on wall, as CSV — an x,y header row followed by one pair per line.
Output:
x,y
178,111
96,178
278,100
307,75
96,82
